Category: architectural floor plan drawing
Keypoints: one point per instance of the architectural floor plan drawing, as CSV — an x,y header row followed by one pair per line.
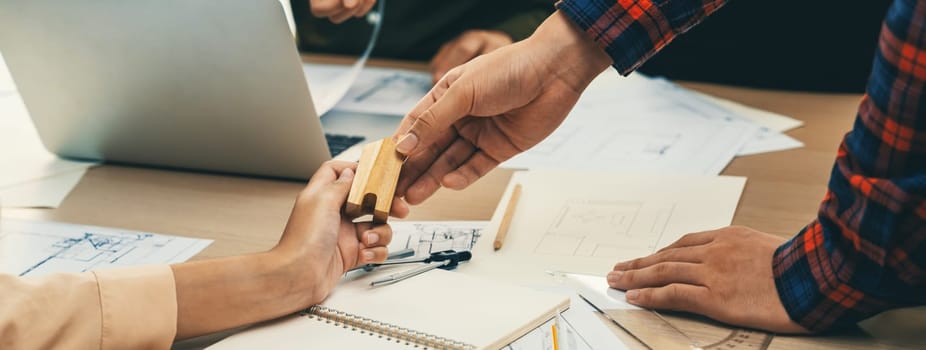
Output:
x,y
38,248
585,222
375,90
603,228
639,125
637,146
389,88
426,237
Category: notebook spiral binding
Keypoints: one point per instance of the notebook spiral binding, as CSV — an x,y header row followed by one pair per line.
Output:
x,y
387,331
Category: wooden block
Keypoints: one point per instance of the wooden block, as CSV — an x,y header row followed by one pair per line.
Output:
x,y
375,181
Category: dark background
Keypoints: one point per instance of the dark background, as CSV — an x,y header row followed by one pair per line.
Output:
x,y
815,45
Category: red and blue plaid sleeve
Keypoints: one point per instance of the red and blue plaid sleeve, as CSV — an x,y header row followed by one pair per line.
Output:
x,y
632,31
866,252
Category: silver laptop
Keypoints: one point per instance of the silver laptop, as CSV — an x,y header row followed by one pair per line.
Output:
x,y
213,85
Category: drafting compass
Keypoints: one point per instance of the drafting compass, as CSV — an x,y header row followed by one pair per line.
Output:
x,y
447,260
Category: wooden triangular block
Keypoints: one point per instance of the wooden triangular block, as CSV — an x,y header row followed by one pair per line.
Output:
x,y
374,184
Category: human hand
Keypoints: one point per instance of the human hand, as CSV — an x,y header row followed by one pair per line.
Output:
x,y
339,11
325,242
464,48
724,274
494,107
317,246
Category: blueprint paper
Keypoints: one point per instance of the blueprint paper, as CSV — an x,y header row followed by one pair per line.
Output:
x,y
426,237
375,90
769,138
638,125
585,222
769,142
37,248
386,91
770,120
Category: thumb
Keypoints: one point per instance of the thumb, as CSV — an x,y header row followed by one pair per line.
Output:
x,y
337,191
445,104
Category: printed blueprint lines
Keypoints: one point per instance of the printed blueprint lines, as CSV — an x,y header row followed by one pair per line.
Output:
x,y
427,237
393,87
434,238
637,145
94,249
598,228
39,248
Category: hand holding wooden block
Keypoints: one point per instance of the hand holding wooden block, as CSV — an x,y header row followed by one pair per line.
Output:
x,y
374,184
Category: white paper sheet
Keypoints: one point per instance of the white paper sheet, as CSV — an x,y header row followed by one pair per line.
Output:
x,y
581,329
426,237
48,192
596,290
385,91
586,222
766,141
37,248
770,136
636,125
770,120
375,90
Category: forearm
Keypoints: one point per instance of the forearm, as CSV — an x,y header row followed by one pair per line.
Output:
x,y
568,53
865,253
861,256
219,294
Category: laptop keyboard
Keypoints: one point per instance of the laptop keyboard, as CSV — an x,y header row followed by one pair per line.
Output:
x,y
339,143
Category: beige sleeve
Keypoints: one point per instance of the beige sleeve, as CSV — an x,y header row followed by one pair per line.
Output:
x,y
109,309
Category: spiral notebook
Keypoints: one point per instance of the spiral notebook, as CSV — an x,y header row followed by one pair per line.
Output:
x,y
436,310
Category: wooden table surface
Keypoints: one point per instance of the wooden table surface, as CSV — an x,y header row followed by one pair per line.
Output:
x,y
246,215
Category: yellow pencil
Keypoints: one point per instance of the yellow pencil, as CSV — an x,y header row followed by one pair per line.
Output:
x,y
506,219
555,339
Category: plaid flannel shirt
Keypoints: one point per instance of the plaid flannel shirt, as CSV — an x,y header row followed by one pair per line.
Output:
x,y
866,251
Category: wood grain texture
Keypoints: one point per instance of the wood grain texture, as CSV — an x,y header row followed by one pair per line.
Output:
x,y
506,219
373,188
